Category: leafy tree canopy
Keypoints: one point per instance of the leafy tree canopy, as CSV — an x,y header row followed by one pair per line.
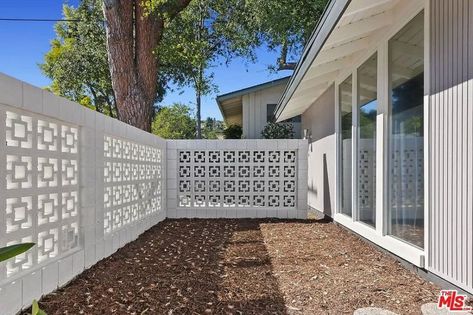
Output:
x,y
212,128
205,34
77,61
174,122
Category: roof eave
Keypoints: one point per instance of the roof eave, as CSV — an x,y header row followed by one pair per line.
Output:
x,y
251,89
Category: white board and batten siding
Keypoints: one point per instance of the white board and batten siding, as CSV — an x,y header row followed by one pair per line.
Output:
x,y
450,128
255,111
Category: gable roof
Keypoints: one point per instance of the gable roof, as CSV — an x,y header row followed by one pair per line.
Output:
x,y
252,89
230,104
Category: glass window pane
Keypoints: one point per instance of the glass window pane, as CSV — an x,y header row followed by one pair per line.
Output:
x,y
345,90
406,143
270,108
367,106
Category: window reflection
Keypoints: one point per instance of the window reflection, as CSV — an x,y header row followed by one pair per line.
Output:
x,y
406,164
345,100
367,104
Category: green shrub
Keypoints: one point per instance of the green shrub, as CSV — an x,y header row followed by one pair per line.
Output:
x,y
278,131
233,132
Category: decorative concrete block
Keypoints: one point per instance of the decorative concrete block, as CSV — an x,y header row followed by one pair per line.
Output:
x,y
65,270
32,287
67,111
50,277
10,91
99,250
89,256
32,98
51,104
11,297
77,263
270,213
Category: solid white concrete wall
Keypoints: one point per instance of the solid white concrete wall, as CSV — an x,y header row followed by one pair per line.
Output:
x,y
319,118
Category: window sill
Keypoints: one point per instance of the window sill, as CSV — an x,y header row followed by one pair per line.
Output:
x,y
399,248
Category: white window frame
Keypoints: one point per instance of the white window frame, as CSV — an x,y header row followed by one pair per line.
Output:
x,y
379,234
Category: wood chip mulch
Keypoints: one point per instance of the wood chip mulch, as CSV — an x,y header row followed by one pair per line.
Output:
x,y
243,267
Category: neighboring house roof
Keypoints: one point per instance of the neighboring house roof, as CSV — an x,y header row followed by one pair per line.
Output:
x,y
230,104
332,14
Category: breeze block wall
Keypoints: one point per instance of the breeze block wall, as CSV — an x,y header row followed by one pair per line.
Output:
x,y
237,178
77,183
80,185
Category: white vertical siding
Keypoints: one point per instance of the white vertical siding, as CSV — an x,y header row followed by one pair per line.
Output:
x,y
254,111
450,120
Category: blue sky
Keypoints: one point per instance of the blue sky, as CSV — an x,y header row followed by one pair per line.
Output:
x,y
23,45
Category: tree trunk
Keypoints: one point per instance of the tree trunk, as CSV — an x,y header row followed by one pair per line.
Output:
x,y
282,60
199,121
200,75
132,37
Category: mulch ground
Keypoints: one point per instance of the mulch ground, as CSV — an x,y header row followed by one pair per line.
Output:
x,y
243,267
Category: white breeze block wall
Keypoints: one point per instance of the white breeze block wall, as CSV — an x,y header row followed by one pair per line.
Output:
x,y
237,179
77,183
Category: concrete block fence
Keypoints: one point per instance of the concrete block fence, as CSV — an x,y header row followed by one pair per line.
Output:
x,y
237,178
81,185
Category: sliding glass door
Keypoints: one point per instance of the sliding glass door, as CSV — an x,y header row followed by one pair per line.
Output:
x,y
367,92
406,138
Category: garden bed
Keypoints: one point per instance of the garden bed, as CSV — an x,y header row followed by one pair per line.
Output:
x,y
243,267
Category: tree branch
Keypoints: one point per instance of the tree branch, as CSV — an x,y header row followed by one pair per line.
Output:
x,y
282,60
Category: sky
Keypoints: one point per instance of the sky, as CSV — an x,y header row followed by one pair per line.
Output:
x,y
23,45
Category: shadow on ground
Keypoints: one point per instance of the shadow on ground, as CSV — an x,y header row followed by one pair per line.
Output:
x,y
179,267
244,267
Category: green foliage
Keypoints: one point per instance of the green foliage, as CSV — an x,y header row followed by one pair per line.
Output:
x,y
197,37
14,250
77,62
174,122
35,310
233,132
284,130
205,35
367,124
212,128
284,23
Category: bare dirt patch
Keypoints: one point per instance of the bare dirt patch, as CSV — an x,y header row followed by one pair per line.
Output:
x,y
243,267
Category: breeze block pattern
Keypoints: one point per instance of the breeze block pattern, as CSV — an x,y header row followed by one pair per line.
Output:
x,y
81,185
133,182
237,178
56,169
41,191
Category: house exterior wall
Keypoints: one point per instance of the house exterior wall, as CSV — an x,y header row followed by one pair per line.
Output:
x,y
319,119
255,114
450,128
448,145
